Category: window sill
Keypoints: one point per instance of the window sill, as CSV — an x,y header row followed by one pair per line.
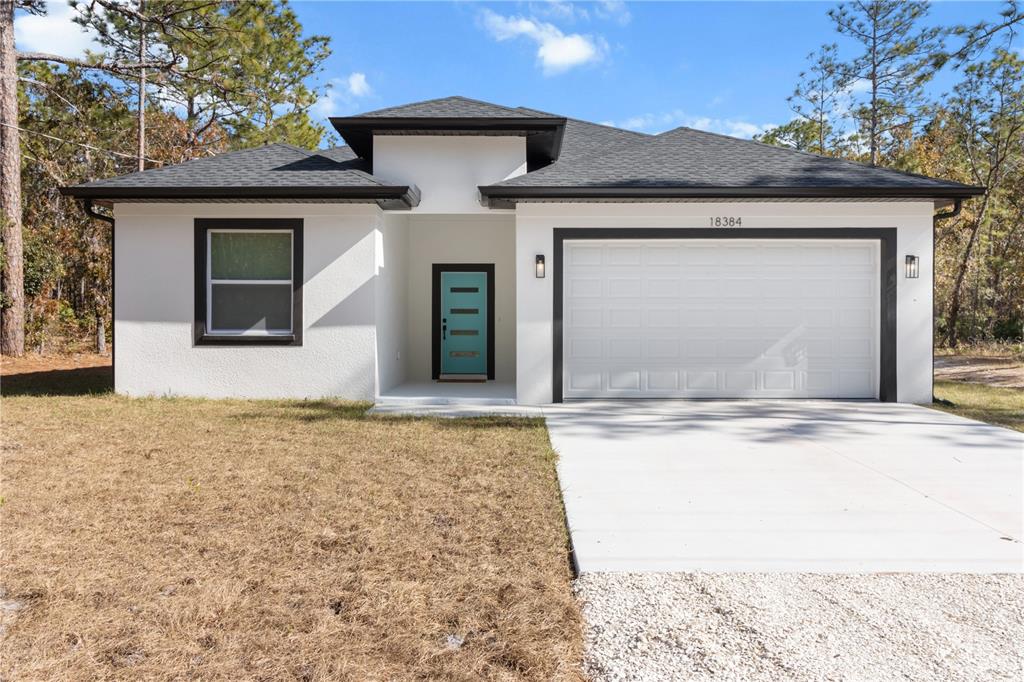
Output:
x,y
238,340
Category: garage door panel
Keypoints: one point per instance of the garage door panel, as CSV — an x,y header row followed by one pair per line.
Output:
x,y
586,287
701,348
624,255
663,287
740,381
701,288
662,317
587,349
776,380
662,255
705,318
585,255
584,318
699,317
624,380
663,380
628,318
854,381
663,349
625,287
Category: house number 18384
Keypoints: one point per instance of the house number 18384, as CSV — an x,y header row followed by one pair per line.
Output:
x,y
726,221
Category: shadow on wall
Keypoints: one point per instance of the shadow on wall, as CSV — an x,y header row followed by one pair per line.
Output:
x,y
356,309
78,381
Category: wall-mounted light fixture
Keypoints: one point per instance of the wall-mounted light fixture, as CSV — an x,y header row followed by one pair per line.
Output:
x,y
539,265
913,267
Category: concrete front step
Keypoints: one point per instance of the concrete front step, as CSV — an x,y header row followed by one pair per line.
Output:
x,y
453,409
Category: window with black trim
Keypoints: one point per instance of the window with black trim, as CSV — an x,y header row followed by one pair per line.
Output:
x,y
248,281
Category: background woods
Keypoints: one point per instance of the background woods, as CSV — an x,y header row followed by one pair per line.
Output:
x,y
864,99
174,80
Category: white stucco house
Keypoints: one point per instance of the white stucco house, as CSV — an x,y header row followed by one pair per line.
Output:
x,y
527,257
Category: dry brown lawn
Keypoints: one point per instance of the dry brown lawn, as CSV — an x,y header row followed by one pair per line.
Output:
x,y
187,539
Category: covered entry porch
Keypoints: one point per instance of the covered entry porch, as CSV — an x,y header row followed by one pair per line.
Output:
x,y
446,311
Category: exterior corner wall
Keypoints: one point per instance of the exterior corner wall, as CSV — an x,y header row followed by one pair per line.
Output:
x,y
535,223
391,300
154,293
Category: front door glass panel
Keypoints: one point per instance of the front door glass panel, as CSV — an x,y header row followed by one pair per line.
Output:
x,y
464,323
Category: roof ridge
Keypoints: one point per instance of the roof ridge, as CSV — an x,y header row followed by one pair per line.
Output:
x,y
461,98
481,101
289,145
814,155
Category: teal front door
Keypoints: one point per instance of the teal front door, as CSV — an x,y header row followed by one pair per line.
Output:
x,y
464,322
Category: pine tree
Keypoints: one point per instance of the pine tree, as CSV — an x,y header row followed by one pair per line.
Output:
x,y
896,60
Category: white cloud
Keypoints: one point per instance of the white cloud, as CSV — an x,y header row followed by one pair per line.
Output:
x,y
566,11
53,32
730,126
605,10
660,122
614,10
357,85
859,85
556,51
341,95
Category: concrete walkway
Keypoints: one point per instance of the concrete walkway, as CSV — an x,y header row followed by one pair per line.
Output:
x,y
800,486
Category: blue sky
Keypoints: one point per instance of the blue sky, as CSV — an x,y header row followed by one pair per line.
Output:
x,y
651,66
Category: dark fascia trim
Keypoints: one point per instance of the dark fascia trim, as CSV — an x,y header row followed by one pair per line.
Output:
x,y
543,141
387,196
501,195
887,286
199,335
435,312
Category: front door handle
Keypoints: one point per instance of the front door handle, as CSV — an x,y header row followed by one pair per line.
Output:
x,y
444,331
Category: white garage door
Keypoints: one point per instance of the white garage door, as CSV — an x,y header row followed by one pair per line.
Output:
x,y
728,318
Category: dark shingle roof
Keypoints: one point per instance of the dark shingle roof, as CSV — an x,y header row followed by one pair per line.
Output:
x,y
450,107
271,171
583,138
690,159
568,158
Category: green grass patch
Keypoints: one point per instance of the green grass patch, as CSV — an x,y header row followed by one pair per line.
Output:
x,y
992,404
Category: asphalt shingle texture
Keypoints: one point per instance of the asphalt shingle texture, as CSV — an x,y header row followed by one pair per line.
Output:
x,y
692,158
274,165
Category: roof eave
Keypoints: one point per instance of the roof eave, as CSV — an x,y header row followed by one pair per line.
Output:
x,y
502,196
358,131
391,197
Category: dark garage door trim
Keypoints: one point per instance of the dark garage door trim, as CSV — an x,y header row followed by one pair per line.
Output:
x,y
887,289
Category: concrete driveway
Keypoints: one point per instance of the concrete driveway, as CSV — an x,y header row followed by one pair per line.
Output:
x,y
787,486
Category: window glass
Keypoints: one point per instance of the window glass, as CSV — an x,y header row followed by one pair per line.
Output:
x,y
251,307
249,287
250,255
